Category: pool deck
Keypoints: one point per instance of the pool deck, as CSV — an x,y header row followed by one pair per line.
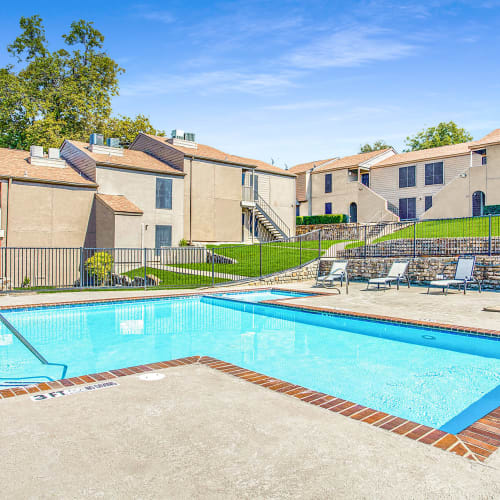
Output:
x,y
204,433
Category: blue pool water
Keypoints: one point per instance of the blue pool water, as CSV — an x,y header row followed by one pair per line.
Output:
x,y
260,295
436,378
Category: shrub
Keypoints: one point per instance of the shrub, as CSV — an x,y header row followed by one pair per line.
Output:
x,y
183,243
308,220
492,210
99,265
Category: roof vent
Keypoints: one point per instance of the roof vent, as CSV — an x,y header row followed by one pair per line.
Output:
x,y
36,151
54,153
97,139
113,142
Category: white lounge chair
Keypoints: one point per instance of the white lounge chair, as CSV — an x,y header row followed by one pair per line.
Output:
x,y
397,274
337,272
464,275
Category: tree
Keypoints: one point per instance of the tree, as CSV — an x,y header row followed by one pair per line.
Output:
x,y
126,128
442,134
59,94
376,146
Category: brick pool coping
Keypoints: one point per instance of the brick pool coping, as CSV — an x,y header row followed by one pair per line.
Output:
x,y
476,442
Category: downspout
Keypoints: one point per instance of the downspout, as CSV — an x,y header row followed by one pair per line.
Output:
x,y
9,187
190,199
470,171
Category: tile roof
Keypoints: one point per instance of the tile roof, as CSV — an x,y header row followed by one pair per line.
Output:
x,y
491,138
119,203
210,153
351,161
130,158
304,167
14,163
425,154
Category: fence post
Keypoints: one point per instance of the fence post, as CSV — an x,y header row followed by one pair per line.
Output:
x,y
414,239
213,267
365,242
145,262
319,244
81,267
489,234
300,251
260,258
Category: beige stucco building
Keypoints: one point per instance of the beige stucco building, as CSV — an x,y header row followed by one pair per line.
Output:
x,y
140,201
227,198
459,180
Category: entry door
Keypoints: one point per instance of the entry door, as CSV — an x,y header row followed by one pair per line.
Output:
x,y
478,203
353,212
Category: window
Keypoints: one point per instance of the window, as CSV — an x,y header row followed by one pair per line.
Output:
x,y
163,236
328,208
164,193
352,175
328,183
428,202
365,179
407,176
297,209
484,160
407,208
434,173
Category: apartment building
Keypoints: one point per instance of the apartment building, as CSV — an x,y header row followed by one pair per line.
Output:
x,y
458,180
43,201
227,198
140,198
342,186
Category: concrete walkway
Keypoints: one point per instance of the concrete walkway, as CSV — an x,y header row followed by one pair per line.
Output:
x,y
199,433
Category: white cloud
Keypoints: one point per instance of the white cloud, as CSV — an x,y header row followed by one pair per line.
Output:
x,y
211,82
152,14
351,47
300,105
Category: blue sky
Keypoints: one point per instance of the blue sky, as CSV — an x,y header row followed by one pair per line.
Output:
x,y
293,81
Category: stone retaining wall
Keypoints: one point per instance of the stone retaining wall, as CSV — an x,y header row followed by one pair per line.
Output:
x,y
307,272
424,269
340,231
426,246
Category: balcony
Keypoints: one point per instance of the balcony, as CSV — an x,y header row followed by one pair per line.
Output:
x,y
247,197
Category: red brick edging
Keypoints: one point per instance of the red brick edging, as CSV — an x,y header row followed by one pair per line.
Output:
x,y
477,442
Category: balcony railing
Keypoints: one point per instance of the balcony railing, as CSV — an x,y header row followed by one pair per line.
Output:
x,y
247,193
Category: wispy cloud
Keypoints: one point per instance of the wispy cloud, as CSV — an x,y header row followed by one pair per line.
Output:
x,y
152,14
211,82
303,105
351,47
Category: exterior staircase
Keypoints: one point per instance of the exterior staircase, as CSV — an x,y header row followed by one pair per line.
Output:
x,y
269,219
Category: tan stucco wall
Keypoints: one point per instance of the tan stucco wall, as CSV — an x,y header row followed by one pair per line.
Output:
x,y
371,207
104,225
44,215
140,189
215,202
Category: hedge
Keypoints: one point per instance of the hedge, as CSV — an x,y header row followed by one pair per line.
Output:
x,y
492,210
308,220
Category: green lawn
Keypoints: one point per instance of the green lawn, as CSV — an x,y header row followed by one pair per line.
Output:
x,y
451,228
276,256
169,279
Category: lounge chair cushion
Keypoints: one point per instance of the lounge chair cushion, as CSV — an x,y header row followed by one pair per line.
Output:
x,y
382,280
445,282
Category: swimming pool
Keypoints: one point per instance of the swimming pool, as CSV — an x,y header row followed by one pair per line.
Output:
x,y
437,378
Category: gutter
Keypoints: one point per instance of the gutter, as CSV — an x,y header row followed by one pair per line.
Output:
x,y
48,181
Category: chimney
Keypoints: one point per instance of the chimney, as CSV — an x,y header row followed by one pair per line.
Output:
x,y
52,160
54,154
184,139
36,151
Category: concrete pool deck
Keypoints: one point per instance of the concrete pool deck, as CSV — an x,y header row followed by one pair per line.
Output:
x,y
202,433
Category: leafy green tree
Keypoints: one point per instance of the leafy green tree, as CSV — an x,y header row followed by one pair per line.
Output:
x,y
100,266
48,95
376,146
442,134
126,128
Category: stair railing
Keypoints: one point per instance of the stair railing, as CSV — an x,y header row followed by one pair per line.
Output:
x,y
273,217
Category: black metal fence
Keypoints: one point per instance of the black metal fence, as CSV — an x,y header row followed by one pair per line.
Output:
x,y
166,267
439,237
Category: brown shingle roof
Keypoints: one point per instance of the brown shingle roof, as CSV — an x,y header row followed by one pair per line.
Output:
x,y
131,158
14,163
210,153
119,203
304,167
425,154
491,138
351,161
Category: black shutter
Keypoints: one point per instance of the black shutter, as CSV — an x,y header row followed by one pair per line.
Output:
x,y
438,173
411,176
403,178
412,208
